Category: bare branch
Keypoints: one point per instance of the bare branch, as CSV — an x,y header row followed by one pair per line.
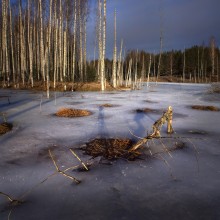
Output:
x,y
79,159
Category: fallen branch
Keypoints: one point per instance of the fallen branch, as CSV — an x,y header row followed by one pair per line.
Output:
x,y
79,159
166,117
12,201
60,171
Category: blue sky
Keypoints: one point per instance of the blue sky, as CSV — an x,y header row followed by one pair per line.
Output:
x,y
184,22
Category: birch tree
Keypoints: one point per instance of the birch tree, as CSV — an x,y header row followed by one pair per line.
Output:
x,y
114,79
103,49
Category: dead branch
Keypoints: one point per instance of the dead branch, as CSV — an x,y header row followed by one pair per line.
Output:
x,y
166,117
79,159
60,171
13,202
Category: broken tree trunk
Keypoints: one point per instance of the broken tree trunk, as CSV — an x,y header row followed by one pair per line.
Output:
x,y
166,117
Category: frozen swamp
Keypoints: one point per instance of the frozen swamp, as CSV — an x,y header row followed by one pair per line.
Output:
x,y
181,184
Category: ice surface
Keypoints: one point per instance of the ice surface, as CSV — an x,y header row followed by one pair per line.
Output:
x,y
141,189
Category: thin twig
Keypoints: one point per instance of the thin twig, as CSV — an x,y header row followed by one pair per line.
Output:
x,y
164,146
7,196
9,214
135,135
79,159
195,152
60,171
168,165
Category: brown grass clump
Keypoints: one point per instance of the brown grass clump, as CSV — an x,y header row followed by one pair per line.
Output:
x,y
5,127
110,148
68,112
205,108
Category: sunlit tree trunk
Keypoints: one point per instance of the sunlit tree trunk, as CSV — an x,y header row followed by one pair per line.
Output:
x,y
30,51
60,43
212,52
12,48
184,64
119,68
114,79
100,38
74,40
171,65
80,43
103,49
148,72
85,46
41,42
22,52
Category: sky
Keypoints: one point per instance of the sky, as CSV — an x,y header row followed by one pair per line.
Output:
x,y
184,23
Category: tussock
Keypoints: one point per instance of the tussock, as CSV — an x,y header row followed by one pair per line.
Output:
x,y
111,149
68,112
5,127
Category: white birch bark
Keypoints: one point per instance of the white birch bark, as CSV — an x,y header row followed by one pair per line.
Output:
x,y
114,79
103,49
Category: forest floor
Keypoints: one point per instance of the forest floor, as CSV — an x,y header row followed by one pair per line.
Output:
x,y
88,86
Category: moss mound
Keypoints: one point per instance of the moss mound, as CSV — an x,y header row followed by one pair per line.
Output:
x,y
111,149
5,127
68,112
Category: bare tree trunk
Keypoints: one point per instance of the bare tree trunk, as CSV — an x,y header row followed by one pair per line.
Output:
x,y
55,55
60,43
100,39
171,65
184,64
41,42
160,55
74,41
48,50
119,69
12,49
103,49
148,73
21,30
85,47
212,48
30,51
114,79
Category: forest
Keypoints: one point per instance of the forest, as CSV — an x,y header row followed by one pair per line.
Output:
x,y
46,41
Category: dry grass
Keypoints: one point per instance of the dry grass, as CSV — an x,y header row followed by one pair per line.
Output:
x,y
68,112
110,148
205,108
5,127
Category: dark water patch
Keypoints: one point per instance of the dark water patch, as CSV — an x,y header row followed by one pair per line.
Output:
x,y
74,103
108,105
43,154
196,132
148,111
150,101
205,108
16,161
